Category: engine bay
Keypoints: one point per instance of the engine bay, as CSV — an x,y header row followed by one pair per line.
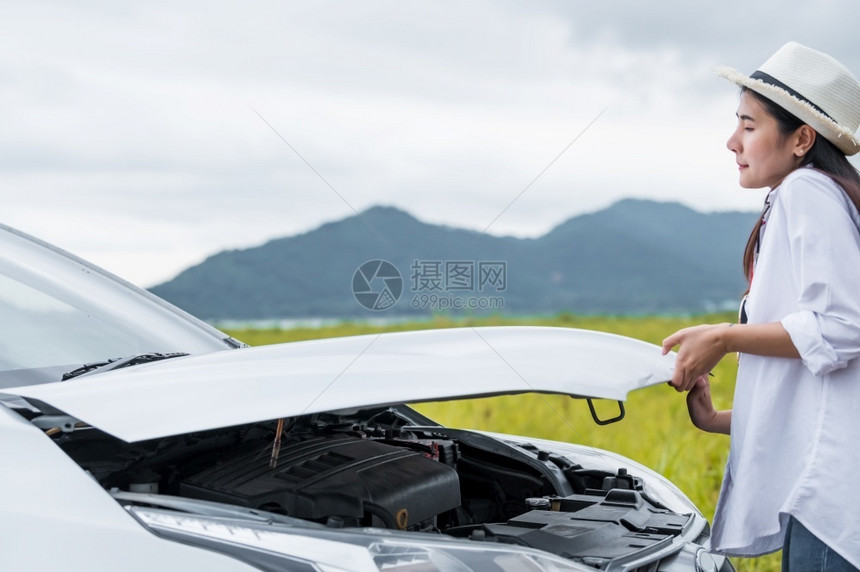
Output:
x,y
385,468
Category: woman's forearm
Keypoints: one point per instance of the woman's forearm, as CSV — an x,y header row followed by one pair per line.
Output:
x,y
702,347
759,339
721,423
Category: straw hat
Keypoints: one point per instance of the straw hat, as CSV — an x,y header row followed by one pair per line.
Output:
x,y
811,85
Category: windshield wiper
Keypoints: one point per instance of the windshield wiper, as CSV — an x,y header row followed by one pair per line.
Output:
x,y
117,363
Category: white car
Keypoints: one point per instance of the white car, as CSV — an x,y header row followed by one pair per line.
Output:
x,y
136,437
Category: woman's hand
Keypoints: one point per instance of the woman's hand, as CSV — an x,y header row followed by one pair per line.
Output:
x,y
702,412
702,347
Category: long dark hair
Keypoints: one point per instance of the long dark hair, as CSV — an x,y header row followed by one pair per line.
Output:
x,y
823,154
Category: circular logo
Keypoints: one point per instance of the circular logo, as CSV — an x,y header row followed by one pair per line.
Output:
x,y
377,285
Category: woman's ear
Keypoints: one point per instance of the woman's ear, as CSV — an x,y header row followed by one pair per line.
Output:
x,y
804,138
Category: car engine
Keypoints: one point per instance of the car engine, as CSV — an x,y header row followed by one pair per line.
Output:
x,y
343,479
379,468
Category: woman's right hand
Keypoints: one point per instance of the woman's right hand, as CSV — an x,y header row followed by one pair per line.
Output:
x,y
700,405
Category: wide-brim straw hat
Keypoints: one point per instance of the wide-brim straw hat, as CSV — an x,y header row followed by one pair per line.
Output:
x,y
811,85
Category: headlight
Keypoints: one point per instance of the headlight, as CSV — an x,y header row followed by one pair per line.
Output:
x,y
275,547
444,556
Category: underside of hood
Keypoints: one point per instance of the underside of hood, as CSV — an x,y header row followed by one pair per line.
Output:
x,y
234,387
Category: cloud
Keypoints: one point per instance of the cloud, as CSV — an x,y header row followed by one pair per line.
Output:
x,y
132,137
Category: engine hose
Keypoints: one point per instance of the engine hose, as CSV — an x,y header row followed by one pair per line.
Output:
x,y
381,513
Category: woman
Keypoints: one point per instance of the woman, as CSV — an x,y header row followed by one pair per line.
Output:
x,y
795,422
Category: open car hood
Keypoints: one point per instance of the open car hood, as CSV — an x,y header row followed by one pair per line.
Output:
x,y
234,387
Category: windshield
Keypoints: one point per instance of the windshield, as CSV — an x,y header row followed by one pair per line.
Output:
x,y
58,312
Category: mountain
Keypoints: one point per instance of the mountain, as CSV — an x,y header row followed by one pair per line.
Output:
x,y
636,256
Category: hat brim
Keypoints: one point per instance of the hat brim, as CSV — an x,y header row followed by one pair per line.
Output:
x,y
844,140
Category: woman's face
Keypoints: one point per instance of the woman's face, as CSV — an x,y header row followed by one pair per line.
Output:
x,y
764,155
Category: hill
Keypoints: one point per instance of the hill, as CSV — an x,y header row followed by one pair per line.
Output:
x,y
636,256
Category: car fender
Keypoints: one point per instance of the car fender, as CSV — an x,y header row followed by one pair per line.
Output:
x,y
54,516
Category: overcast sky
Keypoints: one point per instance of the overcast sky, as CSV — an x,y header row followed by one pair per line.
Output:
x,y
145,136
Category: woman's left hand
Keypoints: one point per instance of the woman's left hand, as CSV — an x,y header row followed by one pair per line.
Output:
x,y
702,347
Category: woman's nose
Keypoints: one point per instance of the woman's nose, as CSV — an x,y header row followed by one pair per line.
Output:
x,y
733,144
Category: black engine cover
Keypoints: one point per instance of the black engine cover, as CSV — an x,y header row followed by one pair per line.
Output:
x,y
335,475
616,527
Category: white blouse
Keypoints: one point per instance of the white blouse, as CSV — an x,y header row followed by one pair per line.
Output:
x,y
795,436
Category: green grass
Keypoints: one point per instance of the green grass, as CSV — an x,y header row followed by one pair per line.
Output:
x,y
656,430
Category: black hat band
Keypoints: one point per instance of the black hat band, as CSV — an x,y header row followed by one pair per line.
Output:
x,y
770,80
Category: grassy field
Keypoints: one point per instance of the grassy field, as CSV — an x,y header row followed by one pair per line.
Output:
x,y
656,430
